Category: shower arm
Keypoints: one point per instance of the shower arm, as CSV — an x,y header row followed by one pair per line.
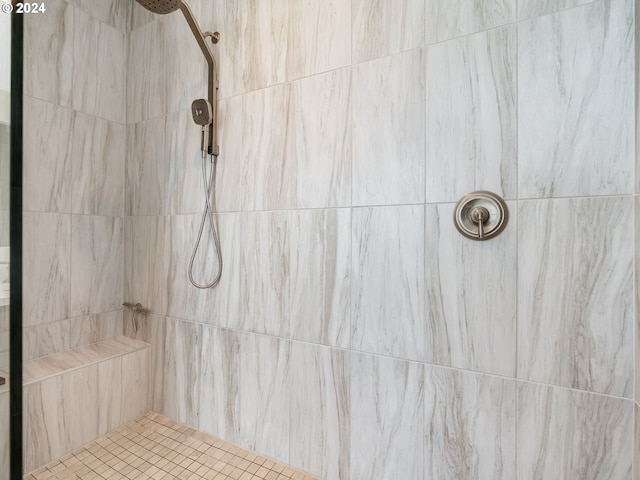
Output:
x,y
214,148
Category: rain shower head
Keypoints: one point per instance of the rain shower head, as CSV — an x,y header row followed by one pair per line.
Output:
x,y
160,7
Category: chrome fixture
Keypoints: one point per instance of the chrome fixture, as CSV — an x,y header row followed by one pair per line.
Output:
x,y
481,215
137,308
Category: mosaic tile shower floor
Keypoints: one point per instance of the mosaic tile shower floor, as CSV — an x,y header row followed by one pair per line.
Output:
x,y
154,447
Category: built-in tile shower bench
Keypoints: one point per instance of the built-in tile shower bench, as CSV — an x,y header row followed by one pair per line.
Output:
x,y
73,397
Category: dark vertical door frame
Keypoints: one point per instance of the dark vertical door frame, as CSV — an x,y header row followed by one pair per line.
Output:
x,y
15,242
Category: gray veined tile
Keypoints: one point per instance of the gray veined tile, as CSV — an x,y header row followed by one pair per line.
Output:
x,y
387,278
47,157
147,169
97,256
575,76
575,293
183,355
98,163
470,295
98,68
536,8
145,73
256,60
320,265
385,27
318,141
637,298
446,19
48,297
470,426
319,36
388,103
112,12
569,434
48,45
387,419
320,406
471,116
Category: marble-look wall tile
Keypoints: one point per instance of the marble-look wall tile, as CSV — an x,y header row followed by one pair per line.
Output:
x,y
386,418
537,8
112,12
219,383
320,402
139,16
145,72
252,174
387,278
45,339
575,77
471,116
636,259
568,434
184,187
97,166
636,442
385,27
446,19
318,142
47,157
135,385
470,426
182,362
53,428
147,168
389,130
184,63
110,391
263,394
48,53
48,276
575,293
98,68
319,37
4,438
320,265
470,296
138,233
97,256
254,52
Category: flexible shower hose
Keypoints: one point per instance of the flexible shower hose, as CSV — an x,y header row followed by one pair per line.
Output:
x,y
209,212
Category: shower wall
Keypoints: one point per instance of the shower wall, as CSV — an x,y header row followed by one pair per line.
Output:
x,y
355,334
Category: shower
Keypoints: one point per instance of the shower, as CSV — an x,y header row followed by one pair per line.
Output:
x,y
204,112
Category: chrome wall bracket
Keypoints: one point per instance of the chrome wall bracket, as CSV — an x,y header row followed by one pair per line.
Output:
x,y
481,215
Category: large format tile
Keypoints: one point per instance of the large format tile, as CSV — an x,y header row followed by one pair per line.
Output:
x,y
319,36
387,278
575,293
446,19
537,8
568,434
470,426
48,276
48,53
318,142
256,60
320,276
385,27
183,352
470,296
98,68
47,157
97,256
575,77
145,73
97,166
471,116
320,405
112,12
52,426
388,130
387,419
147,169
